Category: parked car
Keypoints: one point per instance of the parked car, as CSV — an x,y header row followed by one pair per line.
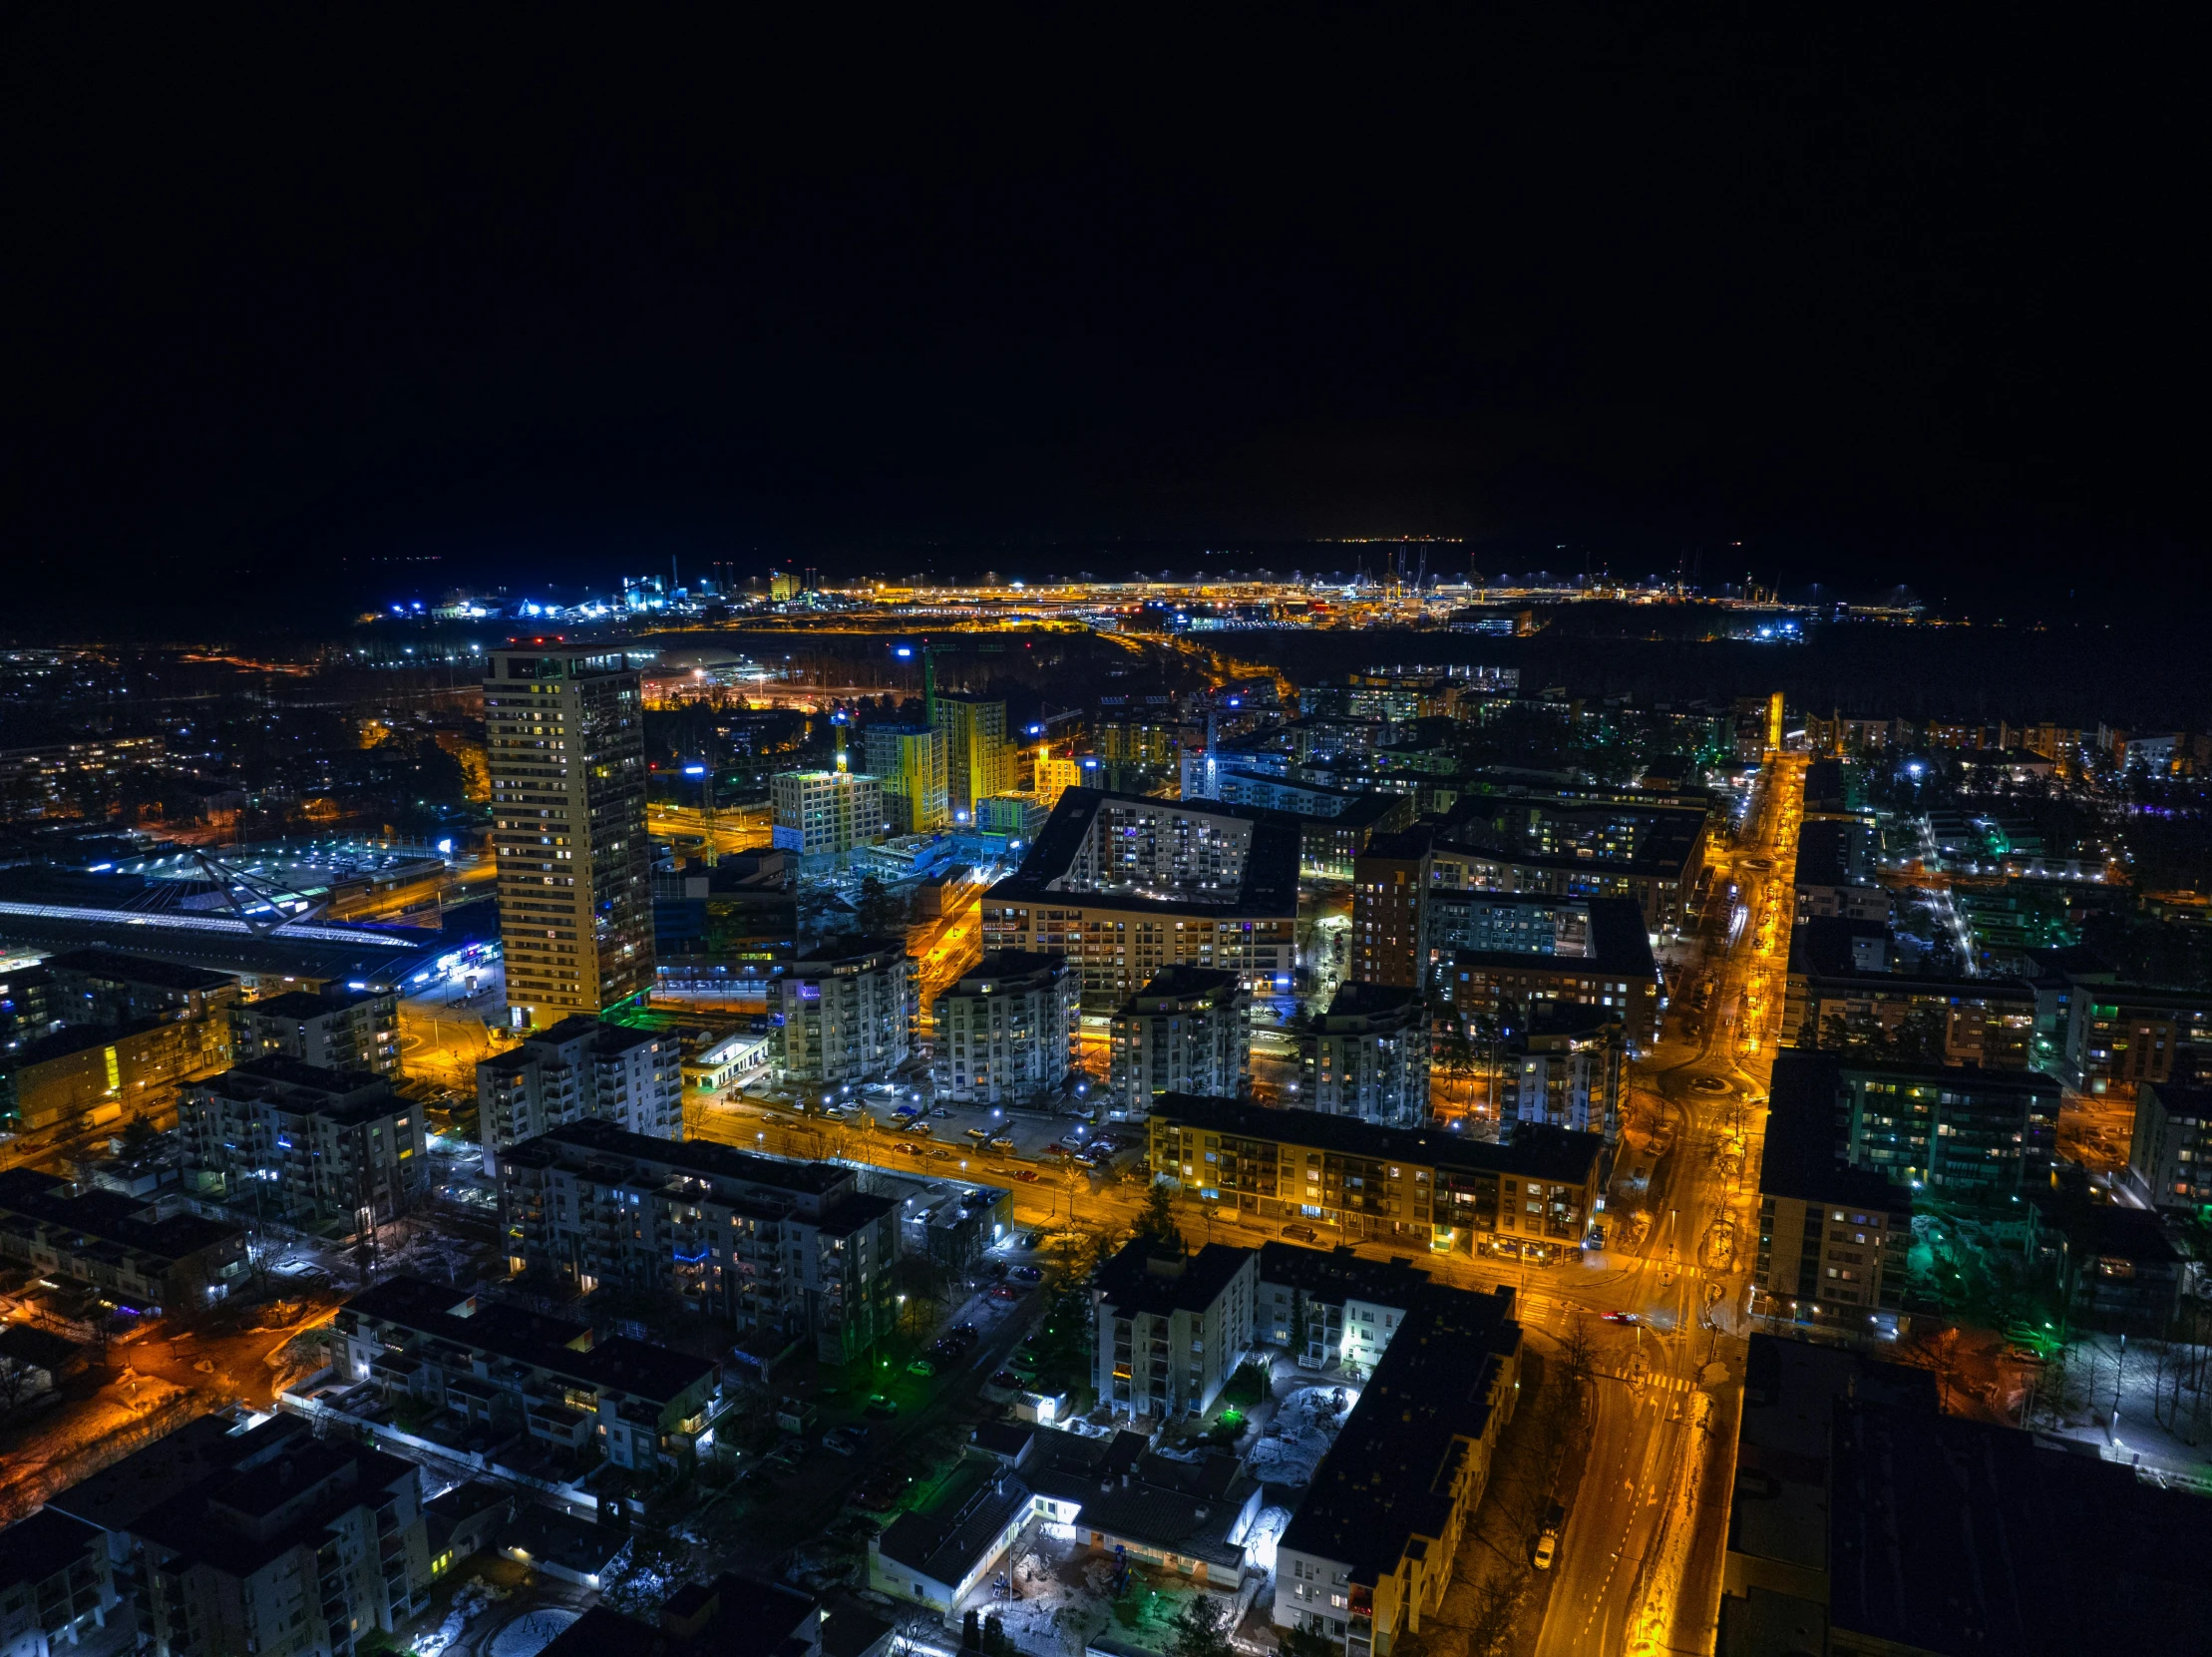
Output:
x,y
1004,1291
1002,1141
1029,1274
845,1441
1301,1233
880,1407
939,1110
1008,1380
921,1367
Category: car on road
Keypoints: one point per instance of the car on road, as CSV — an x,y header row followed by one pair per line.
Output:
x,y
1622,1317
1002,1141
937,1154
1029,1274
912,1150
921,1367
880,1407
1302,1233
1029,1176
845,1441
1008,1380
978,1134
939,1110
1004,1291
907,1111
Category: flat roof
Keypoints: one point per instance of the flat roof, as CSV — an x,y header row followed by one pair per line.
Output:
x,y
138,969
1799,1157
1191,1283
1387,1481
1270,885
702,1156
1619,944
1535,1152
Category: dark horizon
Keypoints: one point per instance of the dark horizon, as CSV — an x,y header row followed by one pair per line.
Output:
x,y
298,309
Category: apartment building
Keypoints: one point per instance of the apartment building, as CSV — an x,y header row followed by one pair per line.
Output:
x,y
1366,1056
1006,1032
57,1585
90,1075
910,764
117,1245
785,1251
1171,1327
1187,1030
824,815
1330,1308
2170,1155
582,1069
267,1540
1430,1189
1961,1130
339,1029
1366,1558
848,1017
1832,1238
1389,881
1842,993
1124,886
310,1145
1563,1067
1649,853
564,737
522,1374
979,762
1600,959
2123,1035
108,986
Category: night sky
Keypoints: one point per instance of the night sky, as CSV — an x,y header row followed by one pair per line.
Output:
x,y
1887,298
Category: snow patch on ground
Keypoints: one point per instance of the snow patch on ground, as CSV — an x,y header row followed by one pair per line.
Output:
x,y
532,1632
1291,1445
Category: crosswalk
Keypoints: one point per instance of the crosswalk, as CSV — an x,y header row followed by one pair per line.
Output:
x,y
1658,1382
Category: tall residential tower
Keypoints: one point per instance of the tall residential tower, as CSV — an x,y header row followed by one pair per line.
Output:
x,y
566,743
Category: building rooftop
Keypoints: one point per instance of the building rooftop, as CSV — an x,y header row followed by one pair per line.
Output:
x,y
1617,943
1963,1539
1009,969
140,968
1385,1486
1341,1274
305,1003
1535,1152
1271,874
699,1156
945,1540
1800,1156
1178,984
43,1546
1355,1000
1138,1279
110,1217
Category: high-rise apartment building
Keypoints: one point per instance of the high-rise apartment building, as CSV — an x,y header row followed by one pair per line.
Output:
x,y
1187,1030
580,1069
979,762
848,1017
908,762
565,733
1006,1031
1367,1056
822,814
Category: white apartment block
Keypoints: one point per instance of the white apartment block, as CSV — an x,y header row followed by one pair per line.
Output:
x,y
848,1018
580,1069
1006,1031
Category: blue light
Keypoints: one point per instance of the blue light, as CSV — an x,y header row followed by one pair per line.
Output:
x,y
904,651
694,770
